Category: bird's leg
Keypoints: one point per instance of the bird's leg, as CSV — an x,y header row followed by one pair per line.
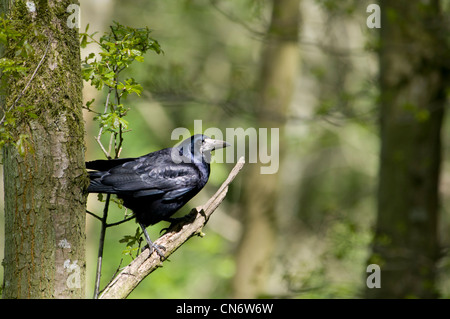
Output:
x,y
151,245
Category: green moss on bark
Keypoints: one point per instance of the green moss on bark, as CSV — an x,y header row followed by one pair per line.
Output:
x,y
44,197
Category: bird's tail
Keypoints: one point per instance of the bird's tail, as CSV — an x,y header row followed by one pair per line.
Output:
x,y
96,186
99,167
104,165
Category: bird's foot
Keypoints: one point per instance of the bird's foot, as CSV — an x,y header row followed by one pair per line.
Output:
x,y
157,248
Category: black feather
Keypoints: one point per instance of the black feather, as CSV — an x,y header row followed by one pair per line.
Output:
x,y
155,185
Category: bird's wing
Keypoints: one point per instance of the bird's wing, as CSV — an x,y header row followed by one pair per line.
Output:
x,y
149,175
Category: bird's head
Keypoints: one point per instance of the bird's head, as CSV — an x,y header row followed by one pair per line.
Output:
x,y
198,148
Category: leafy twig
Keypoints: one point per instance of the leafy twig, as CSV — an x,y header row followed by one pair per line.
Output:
x,y
121,47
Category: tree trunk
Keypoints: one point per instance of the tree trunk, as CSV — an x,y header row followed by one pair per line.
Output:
x,y
412,57
279,69
44,187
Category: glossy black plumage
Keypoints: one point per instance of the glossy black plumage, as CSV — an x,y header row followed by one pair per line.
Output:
x,y
156,185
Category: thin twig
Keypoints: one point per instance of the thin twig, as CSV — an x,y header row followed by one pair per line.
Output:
x,y
115,273
235,19
102,147
120,222
117,151
111,224
28,83
93,215
100,131
111,139
105,225
118,148
100,247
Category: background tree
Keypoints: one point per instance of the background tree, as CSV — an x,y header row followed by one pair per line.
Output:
x,y
326,190
279,70
44,176
413,82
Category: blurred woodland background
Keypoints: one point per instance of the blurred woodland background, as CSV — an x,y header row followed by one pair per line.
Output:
x,y
361,116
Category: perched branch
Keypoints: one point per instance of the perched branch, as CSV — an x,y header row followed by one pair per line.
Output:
x,y
128,279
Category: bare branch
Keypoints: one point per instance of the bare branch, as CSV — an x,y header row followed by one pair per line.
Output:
x,y
100,132
177,235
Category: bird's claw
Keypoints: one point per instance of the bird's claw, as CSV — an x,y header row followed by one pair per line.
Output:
x,y
157,248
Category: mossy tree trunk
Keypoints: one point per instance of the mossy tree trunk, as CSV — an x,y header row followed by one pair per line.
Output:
x,y
44,187
413,63
278,71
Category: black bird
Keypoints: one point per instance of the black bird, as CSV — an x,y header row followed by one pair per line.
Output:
x,y
156,185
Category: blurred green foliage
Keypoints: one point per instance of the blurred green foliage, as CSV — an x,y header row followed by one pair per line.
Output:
x,y
209,71
175,92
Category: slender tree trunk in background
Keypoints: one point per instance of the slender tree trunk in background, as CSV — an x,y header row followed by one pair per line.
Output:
x,y
413,56
44,189
279,69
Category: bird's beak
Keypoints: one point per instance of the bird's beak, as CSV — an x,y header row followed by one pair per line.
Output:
x,y
210,145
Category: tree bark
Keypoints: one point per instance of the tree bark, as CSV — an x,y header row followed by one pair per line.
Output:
x,y
279,69
44,187
413,62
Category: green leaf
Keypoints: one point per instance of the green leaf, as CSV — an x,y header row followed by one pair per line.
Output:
x,y
89,103
32,115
